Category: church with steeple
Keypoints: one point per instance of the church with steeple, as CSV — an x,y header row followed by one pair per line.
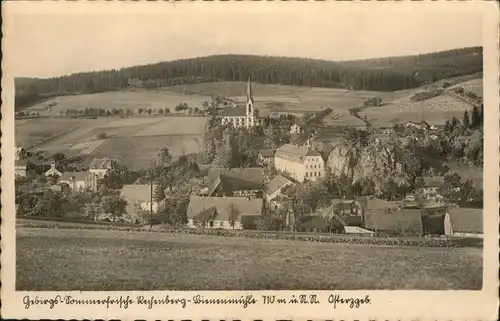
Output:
x,y
242,116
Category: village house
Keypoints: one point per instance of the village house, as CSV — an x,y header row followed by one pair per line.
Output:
x,y
300,162
430,189
418,125
242,116
295,129
273,193
77,181
21,167
101,166
140,196
464,222
53,171
266,156
221,212
344,216
236,182
98,168
21,153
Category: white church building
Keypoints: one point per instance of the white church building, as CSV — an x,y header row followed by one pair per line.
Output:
x,y
242,116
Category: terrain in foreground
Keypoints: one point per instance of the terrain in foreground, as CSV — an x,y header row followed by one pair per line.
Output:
x,y
51,260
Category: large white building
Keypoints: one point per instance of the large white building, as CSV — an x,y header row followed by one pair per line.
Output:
x,y
300,162
241,116
97,170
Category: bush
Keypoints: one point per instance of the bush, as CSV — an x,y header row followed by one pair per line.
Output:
x,y
101,135
425,95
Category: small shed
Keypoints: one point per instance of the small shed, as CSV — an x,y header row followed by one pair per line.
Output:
x,y
466,222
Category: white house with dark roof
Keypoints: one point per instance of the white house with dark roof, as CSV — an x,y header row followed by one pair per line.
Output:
x,y
266,156
98,168
21,167
77,181
430,188
218,212
241,116
300,162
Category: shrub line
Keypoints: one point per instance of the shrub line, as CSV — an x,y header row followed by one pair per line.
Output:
x,y
339,239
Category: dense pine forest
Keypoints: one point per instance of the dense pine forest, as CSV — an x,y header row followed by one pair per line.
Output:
x,y
382,74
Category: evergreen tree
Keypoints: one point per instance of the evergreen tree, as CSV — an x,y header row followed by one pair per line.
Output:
x,y
475,121
466,120
454,123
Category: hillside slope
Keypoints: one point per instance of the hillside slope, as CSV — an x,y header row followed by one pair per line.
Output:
x,y
384,74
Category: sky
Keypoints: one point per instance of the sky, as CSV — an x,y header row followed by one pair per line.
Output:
x,y
69,40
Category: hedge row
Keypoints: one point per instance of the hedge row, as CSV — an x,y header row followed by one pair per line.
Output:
x,y
334,238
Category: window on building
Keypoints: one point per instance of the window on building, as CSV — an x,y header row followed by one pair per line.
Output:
x,y
307,174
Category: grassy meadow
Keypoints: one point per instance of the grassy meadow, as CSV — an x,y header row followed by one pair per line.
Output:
x,y
134,141
56,260
436,111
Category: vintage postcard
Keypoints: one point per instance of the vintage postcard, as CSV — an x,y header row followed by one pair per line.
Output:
x,y
250,160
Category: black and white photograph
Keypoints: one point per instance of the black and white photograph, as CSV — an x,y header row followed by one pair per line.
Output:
x,y
245,149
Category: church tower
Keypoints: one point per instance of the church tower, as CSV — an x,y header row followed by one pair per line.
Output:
x,y
250,121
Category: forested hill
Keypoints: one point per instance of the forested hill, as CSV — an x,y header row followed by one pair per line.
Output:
x,y
383,74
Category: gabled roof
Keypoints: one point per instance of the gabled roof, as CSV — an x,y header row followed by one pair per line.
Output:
x,y
79,176
309,222
230,184
269,152
406,220
295,153
136,193
238,111
101,163
252,174
373,203
245,206
276,183
467,220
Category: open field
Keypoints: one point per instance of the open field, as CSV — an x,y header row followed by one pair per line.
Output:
x,y
137,152
132,140
436,111
473,85
124,99
51,260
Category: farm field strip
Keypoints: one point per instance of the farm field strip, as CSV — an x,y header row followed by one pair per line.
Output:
x,y
52,259
176,126
137,152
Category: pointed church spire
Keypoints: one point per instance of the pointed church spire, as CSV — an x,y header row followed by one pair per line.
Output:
x,y
249,90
